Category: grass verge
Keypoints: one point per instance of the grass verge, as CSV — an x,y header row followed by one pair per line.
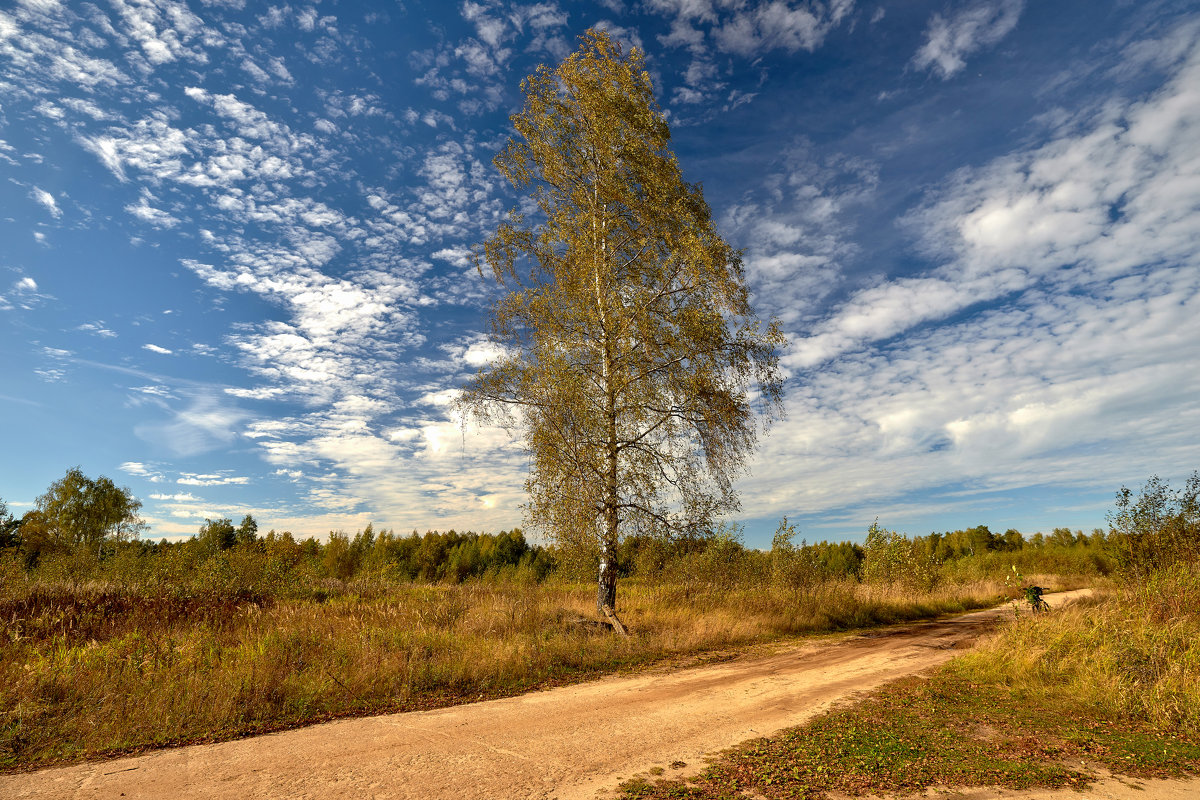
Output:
x,y
1111,684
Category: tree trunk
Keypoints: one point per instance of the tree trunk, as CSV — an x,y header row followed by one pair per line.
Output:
x,y
606,592
606,585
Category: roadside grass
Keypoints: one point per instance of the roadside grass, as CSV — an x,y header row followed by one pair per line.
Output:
x,y
1113,683
93,669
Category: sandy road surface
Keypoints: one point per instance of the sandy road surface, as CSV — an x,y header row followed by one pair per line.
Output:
x,y
1111,788
564,743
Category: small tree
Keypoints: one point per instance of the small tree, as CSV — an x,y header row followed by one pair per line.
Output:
x,y
247,532
791,565
77,510
891,558
630,347
217,535
1157,527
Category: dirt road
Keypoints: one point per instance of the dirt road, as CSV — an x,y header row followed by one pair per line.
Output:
x,y
564,743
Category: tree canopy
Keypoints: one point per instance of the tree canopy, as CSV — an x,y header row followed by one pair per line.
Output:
x,y
633,362
78,510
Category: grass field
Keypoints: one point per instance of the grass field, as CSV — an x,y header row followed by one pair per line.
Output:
x,y
94,669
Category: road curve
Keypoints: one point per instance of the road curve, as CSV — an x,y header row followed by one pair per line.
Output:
x,y
566,743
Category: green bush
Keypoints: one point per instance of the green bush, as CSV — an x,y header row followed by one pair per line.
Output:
x,y
1157,528
892,559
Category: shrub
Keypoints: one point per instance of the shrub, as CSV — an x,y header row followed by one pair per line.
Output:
x,y
894,560
1158,528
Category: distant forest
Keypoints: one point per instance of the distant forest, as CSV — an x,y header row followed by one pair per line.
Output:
x,y
85,529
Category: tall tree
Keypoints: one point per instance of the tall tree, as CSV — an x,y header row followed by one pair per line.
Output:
x,y
633,362
78,510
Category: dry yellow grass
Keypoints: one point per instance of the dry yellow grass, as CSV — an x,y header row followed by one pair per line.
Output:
x,y
95,669
1131,653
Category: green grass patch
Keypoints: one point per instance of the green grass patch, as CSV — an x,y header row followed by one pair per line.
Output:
x,y
943,731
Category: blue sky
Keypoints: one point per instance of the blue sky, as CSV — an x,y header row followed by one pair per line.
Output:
x,y
234,276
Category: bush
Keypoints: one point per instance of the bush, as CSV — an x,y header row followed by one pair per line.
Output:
x,y
792,566
1158,529
893,560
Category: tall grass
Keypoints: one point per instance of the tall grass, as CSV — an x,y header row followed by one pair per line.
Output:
x,y
1131,654
93,668
1134,654
1066,567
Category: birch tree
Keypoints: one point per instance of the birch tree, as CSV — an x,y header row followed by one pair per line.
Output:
x,y
77,510
634,365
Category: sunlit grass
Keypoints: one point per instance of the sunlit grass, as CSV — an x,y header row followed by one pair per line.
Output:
x,y
1132,654
1113,681
94,669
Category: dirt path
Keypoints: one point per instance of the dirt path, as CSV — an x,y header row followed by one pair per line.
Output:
x,y
564,743
1111,788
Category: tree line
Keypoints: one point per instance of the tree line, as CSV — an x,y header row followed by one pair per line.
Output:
x,y
84,528
85,523
89,527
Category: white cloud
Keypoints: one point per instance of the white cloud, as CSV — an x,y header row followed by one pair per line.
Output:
x,y
152,146
148,213
185,497
471,353
211,479
141,470
86,107
949,40
779,25
42,6
440,399
257,73
35,58
280,70
51,374
796,228
105,148
1096,203
46,200
154,391
51,111
261,393
98,329
538,16
1026,394
684,9
202,426
163,29
307,19
346,290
